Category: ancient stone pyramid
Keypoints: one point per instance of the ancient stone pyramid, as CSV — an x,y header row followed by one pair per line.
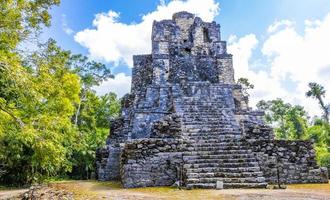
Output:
x,y
187,121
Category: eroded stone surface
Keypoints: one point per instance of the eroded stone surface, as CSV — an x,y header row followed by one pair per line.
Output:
x,y
187,121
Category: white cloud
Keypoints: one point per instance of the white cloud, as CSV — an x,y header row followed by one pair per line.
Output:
x,y
279,24
242,51
303,57
120,85
266,87
114,41
65,26
299,57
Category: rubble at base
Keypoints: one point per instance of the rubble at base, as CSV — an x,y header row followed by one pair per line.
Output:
x,y
43,192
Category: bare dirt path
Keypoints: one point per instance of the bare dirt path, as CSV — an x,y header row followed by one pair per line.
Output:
x,y
113,190
8,194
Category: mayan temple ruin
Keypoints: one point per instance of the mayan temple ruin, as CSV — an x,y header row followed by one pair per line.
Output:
x,y
187,121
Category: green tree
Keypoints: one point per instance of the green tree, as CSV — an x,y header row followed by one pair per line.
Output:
x,y
18,20
290,122
42,97
50,118
319,133
92,113
93,123
275,111
317,91
21,18
91,74
246,85
296,119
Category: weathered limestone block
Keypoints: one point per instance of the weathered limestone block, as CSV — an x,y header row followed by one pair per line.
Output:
x,y
168,127
292,161
226,70
107,163
152,162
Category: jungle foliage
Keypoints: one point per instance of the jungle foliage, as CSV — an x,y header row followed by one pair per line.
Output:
x,y
292,122
51,120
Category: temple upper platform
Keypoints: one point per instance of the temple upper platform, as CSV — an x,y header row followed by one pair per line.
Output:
x,y
184,49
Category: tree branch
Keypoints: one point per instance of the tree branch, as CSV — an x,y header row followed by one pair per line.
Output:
x,y
18,120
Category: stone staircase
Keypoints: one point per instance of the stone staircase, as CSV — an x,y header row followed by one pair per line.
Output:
x,y
217,151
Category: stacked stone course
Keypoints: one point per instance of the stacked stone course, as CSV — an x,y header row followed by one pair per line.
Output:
x,y
187,121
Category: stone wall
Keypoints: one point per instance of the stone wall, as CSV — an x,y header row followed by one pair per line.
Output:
x,y
107,163
167,127
253,128
290,161
151,162
226,69
141,73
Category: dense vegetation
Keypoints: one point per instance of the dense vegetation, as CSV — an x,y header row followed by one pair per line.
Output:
x,y
291,122
51,120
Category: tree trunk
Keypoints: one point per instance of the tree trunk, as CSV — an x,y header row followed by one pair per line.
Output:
x,y
79,108
325,110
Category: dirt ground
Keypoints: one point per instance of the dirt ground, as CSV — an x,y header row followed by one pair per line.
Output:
x,y
113,190
8,194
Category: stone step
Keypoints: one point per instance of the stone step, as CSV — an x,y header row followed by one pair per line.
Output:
x,y
244,185
226,180
225,134
225,138
212,133
199,101
225,175
228,156
206,109
218,144
237,143
223,169
216,148
201,186
200,110
204,119
217,131
214,137
211,119
205,126
219,136
206,105
226,185
221,165
215,152
209,131
194,127
202,106
207,114
222,160
205,97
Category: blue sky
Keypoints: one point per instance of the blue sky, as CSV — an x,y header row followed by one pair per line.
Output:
x,y
238,17
262,35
